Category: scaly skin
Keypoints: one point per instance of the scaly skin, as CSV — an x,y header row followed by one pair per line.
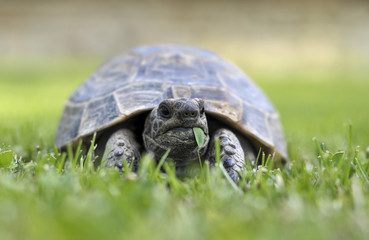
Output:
x,y
170,126
122,145
231,152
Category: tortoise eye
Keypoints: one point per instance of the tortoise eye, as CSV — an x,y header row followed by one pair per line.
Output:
x,y
164,111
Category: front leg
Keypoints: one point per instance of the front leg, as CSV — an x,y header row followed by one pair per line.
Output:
x,y
121,145
232,154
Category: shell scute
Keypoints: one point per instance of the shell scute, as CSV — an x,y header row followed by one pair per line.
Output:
x,y
172,68
69,123
99,112
108,78
139,80
255,121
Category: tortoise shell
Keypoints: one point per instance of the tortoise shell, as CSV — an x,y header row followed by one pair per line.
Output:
x,y
135,82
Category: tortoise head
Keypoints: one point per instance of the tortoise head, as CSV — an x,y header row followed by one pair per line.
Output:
x,y
170,125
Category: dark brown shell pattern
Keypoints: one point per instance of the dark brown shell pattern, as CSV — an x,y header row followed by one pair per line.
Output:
x,y
138,80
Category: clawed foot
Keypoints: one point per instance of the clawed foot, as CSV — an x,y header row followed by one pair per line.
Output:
x,y
231,153
122,146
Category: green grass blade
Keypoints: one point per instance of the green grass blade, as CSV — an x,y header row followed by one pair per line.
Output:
x,y
360,166
200,162
60,162
78,153
104,158
71,157
228,178
257,161
161,162
88,163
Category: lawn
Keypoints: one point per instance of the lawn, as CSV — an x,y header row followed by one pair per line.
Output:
x,y
322,193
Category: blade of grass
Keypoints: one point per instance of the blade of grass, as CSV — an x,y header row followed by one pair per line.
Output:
x,y
161,162
127,168
360,166
60,162
78,154
221,167
104,158
229,179
200,163
263,159
257,159
175,185
71,157
88,163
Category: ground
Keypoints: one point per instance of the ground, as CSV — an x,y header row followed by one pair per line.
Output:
x,y
322,193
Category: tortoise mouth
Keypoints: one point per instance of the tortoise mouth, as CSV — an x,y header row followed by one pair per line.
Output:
x,y
177,135
182,144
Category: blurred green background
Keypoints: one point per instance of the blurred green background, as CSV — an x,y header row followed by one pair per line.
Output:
x,y
310,57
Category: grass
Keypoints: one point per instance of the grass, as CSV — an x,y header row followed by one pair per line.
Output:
x,y
322,193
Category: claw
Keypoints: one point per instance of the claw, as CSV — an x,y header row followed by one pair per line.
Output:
x,y
118,153
225,141
120,143
233,175
119,164
228,161
229,150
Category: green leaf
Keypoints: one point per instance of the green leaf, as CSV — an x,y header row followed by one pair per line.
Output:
x,y
199,135
6,159
338,156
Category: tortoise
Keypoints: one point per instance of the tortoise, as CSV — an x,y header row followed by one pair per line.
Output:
x,y
150,99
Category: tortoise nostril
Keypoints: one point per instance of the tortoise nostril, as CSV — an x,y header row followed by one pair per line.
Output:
x,y
189,110
189,114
